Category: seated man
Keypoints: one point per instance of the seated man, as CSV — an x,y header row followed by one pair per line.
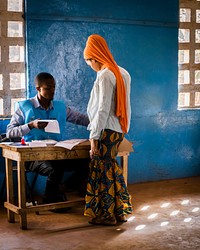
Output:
x,y
25,122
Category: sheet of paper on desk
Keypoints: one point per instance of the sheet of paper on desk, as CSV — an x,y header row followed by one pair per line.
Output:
x,y
69,144
37,144
41,143
6,143
52,126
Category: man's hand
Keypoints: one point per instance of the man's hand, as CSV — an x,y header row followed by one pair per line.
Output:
x,y
37,124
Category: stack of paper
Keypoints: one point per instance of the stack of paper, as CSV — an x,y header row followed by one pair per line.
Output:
x,y
69,144
41,143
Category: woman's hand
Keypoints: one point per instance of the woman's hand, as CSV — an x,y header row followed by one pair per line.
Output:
x,y
94,149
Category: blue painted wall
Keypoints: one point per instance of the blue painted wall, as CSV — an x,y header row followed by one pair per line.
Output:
x,y
142,36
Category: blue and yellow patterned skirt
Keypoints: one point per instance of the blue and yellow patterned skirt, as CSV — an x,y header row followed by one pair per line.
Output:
x,y
107,194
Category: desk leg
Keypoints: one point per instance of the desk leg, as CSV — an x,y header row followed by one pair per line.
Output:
x,y
9,188
22,193
124,164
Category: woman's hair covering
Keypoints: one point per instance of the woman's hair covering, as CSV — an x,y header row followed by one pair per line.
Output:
x,y
97,49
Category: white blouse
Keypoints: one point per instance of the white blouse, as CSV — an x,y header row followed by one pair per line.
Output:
x,y
101,106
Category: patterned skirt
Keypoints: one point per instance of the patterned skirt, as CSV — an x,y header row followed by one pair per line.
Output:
x,y
107,194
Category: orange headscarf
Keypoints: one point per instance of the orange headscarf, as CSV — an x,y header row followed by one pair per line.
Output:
x,y
97,49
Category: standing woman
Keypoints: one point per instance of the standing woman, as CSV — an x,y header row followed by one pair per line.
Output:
x,y
107,198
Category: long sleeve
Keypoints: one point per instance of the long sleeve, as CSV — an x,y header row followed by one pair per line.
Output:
x,y
76,117
16,127
101,107
106,90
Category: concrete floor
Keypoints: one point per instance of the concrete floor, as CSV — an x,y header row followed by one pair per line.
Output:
x,y
166,216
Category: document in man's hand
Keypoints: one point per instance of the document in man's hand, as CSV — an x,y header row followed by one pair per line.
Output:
x,y
69,144
52,126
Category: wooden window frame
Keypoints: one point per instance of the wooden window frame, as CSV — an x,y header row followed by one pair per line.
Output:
x,y
190,88
6,67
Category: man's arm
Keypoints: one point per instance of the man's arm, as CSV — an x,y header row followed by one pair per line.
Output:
x,y
16,127
77,118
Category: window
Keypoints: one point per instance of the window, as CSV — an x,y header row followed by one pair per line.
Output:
x,y
189,55
12,48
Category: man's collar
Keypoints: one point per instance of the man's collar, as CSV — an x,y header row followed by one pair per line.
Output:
x,y
36,103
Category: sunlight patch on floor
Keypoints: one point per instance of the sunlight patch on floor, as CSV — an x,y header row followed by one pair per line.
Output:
x,y
165,212
145,208
165,205
140,227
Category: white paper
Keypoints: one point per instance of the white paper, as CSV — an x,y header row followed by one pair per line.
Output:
x,y
48,141
6,143
37,144
42,143
69,144
52,126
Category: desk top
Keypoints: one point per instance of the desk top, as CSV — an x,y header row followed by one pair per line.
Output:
x,y
27,153
17,147
125,146
51,152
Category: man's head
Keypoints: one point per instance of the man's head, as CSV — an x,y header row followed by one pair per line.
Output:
x,y
45,85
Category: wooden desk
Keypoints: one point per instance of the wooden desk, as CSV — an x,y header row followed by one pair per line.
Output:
x,y
21,154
